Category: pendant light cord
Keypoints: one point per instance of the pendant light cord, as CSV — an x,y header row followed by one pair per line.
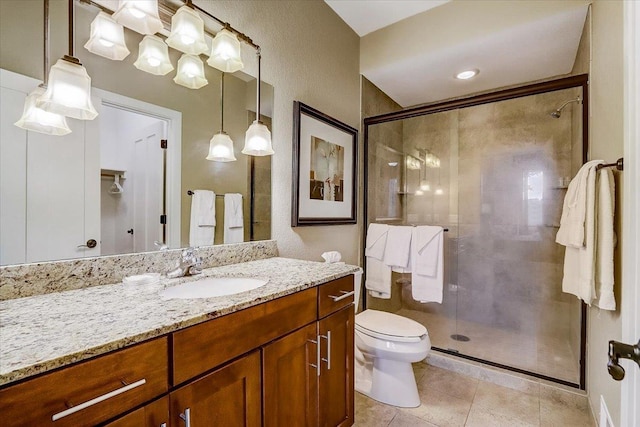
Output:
x,y
258,53
45,49
71,28
222,103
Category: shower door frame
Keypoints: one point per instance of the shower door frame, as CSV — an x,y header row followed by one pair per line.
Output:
x,y
582,81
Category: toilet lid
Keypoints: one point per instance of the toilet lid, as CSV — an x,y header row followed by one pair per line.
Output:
x,y
392,325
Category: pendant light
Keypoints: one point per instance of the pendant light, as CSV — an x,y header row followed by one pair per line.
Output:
x,y
221,145
107,38
69,87
190,72
187,31
153,56
226,53
140,16
34,118
257,140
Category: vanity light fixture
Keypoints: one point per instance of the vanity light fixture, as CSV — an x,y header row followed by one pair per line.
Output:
x,y
467,74
107,38
221,145
187,31
34,118
226,52
153,56
69,88
257,140
140,16
190,72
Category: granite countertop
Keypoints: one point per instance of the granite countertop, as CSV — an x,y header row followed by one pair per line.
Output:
x,y
43,332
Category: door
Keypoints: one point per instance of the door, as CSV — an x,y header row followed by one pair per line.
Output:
x,y
230,397
336,376
290,380
154,414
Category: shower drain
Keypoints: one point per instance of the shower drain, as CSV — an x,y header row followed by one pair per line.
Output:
x,y
459,337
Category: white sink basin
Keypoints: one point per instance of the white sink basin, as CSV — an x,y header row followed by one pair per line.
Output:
x,y
212,287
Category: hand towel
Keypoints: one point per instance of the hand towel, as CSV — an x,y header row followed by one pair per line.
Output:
x,y
427,269
605,238
378,274
572,221
398,248
233,218
203,218
579,262
376,241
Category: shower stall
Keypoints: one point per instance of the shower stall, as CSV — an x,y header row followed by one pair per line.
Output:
x,y
492,170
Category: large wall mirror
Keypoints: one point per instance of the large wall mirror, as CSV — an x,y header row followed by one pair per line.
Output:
x,y
111,179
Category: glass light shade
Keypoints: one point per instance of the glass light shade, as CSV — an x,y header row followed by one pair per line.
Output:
x,y
37,120
226,52
68,92
221,148
257,140
439,191
190,72
187,32
153,56
107,38
139,15
424,185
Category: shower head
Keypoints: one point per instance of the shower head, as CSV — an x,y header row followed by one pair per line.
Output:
x,y
557,113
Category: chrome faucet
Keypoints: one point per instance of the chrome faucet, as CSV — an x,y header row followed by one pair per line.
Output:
x,y
188,265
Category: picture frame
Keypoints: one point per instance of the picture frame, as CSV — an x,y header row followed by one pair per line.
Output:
x,y
325,151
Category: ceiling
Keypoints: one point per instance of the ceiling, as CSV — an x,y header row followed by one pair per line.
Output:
x,y
412,50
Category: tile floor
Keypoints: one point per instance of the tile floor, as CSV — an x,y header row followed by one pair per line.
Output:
x,y
452,399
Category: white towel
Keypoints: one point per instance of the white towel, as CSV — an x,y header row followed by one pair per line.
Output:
x,y
574,209
579,262
203,218
233,218
427,259
398,248
605,238
378,278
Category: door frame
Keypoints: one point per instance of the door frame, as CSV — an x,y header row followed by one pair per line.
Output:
x,y
174,152
630,299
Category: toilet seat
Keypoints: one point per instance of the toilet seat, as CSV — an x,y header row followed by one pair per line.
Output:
x,y
389,326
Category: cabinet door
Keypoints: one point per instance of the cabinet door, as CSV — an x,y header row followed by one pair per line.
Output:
x,y
230,396
290,382
336,376
155,414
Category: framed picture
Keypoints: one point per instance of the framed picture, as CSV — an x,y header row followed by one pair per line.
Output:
x,y
324,169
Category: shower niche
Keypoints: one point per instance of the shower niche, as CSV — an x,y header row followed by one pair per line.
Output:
x,y
493,170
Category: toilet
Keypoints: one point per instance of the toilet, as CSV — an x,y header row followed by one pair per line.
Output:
x,y
386,345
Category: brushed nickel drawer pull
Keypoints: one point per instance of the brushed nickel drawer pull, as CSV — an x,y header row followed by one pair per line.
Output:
x,y
328,359
186,417
317,364
98,399
345,294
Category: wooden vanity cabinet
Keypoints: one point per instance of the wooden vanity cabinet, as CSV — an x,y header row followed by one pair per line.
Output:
x,y
154,414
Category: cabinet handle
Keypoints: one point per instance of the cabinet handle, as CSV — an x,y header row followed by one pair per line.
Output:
x,y
186,417
163,425
317,364
345,294
98,399
328,359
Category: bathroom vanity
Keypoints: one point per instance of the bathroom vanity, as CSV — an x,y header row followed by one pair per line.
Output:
x,y
281,354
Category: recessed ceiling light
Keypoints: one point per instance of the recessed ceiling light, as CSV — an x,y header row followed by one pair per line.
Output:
x,y
467,74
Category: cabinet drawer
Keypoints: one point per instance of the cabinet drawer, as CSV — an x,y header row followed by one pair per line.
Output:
x,y
334,295
125,378
202,347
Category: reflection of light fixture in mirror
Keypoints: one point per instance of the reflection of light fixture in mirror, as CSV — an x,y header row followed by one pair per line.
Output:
x,y
393,164
419,193
190,72
107,38
439,191
221,145
226,53
34,118
187,31
140,16
413,163
257,140
153,56
69,87
424,185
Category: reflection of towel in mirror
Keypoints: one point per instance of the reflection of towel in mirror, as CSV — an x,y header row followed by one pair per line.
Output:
x,y
427,259
233,218
378,279
203,218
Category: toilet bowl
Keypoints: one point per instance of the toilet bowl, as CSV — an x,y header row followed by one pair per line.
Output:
x,y
386,346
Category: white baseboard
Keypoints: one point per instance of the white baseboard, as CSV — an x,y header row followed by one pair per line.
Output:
x,y
605,417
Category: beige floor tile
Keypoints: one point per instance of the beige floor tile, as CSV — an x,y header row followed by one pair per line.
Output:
x,y
508,402
370,413
440,409
405,420
564,412
448,382
480,416
561,397
419,369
